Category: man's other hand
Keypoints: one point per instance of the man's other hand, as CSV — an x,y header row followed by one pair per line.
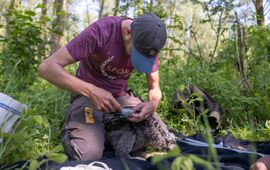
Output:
x,y
147,109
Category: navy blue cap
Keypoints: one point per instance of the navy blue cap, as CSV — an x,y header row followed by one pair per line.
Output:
x,y
148,37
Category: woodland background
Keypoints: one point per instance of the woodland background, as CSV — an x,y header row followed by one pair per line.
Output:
x,y
222,46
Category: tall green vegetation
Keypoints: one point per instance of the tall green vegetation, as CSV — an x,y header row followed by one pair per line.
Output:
x,y
37,132
212,61
255,104
207,46
21,51
23,45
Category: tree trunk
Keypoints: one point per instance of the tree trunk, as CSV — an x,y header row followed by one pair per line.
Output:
x,y
43,20
240,47
43,25
10,8
151,5
218,32
58,25
87,12
259,12
116,7
241,52
101,2
2,5
170,31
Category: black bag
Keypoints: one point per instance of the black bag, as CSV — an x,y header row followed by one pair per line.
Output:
x,y
193,99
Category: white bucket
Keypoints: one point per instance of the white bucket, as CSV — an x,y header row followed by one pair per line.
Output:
x,y
10,111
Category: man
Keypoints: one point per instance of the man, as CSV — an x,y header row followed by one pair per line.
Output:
x,y
261,164
108,51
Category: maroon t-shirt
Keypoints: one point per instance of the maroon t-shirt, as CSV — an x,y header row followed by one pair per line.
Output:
x,y
104,61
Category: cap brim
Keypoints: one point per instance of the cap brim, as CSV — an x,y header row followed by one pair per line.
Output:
x,y
141,62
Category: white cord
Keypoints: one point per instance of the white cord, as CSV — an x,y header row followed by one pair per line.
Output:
x,y
96,165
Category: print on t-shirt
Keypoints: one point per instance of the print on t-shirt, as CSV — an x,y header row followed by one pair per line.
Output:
x,y
106,69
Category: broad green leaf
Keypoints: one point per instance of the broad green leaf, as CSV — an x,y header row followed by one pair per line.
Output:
x,y
58,157
174,152
267,124
40,6
177,163
38,119
187,163
201,161
33,165
57,148
30,13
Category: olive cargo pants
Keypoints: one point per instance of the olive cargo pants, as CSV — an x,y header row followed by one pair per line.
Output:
x,y
83,134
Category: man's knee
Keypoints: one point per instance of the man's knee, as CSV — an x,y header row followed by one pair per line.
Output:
x,y
92,153
81,149
84,151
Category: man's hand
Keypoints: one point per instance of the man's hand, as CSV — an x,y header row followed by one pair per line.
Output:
x,y
147,109
104,100
52,69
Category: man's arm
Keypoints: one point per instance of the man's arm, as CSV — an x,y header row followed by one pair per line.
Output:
x,y
52,69
154,97
154,92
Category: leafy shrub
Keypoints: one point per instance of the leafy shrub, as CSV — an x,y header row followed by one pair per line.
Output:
x,y
22,50
32,138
